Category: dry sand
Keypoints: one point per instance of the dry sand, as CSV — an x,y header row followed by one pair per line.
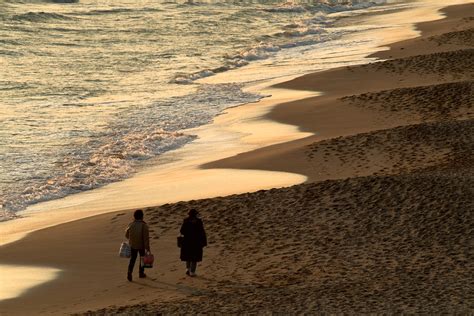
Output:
x,y
362,245
384,224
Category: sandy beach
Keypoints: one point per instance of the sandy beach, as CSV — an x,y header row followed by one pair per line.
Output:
x,y
383,223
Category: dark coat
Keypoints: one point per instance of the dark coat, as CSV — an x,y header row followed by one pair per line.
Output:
x,y
194,239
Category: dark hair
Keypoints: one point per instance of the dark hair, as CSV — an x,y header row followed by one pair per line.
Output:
x,y
138,214
193,212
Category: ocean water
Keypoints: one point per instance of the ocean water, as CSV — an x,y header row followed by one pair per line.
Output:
x,y
90,91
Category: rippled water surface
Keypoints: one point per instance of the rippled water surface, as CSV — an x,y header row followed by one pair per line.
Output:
x,y
89,90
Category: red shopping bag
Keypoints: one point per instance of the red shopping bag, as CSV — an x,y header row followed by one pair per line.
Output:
x,y
147,260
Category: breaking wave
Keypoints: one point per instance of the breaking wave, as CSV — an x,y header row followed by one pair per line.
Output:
x,y
261,51
40,17
305,32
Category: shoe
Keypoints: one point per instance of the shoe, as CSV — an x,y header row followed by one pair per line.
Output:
x,y
187,272
129,276
192,274
142,275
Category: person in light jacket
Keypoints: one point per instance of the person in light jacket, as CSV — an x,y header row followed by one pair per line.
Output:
x,y
194,240
138,238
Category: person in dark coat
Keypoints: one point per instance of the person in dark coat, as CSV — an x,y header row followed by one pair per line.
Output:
x,y
194,240
138,238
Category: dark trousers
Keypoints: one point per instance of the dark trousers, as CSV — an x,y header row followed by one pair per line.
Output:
x,y
133,258
191,266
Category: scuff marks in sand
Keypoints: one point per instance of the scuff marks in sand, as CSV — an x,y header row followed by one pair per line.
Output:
x,y
461,38
360,245
394,151
451,65
434,102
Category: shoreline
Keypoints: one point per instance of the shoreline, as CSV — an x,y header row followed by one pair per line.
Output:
x,y
238,130
110,198
81,205
292,157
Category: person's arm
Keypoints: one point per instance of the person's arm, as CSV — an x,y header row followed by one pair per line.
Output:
x,y
146,237
183,228
127,232
204,237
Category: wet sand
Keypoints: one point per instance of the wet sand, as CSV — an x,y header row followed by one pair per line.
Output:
x,y
382,225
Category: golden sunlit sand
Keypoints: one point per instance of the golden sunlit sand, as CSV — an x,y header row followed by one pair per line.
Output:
x,y
16,280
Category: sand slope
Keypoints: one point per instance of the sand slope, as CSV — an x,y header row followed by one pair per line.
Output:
x,y
370,244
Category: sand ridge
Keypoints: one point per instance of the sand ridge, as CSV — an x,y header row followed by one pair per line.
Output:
x,y
464,37
393,151
438,64
433,102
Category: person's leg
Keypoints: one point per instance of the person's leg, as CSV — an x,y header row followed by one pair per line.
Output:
x,y
188,267
131,264
141,269
193,266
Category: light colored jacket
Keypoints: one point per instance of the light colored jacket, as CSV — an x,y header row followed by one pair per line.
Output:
x,y
138,235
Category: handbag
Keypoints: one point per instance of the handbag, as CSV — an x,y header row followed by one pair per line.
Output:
x,y
147,260
125,250
180,240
